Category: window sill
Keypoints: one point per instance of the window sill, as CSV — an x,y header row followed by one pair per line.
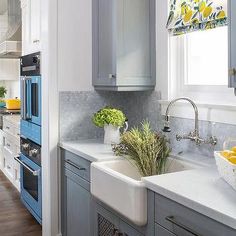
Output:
x,y
222,113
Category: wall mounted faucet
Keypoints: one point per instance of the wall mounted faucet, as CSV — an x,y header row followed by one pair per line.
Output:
x,y
194,135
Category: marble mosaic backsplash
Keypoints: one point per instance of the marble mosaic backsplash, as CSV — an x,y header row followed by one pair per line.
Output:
x,y
77,109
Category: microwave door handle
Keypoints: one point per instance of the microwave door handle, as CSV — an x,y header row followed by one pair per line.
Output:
x,y
34,172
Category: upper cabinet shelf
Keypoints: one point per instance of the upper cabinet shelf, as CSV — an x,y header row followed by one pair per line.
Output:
x,y
124,49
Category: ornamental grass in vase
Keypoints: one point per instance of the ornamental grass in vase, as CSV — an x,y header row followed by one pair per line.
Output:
x,y
146,149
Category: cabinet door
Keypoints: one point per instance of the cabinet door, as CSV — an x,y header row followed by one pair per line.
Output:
x,y
104,42
25,7
31,26
127,230
133,45
105,223
160,231
76,211
232,43
35,26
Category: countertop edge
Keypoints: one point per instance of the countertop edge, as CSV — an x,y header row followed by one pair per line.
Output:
x,y
202,209
77,152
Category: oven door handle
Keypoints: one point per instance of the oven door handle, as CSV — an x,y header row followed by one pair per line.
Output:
x,y
34,172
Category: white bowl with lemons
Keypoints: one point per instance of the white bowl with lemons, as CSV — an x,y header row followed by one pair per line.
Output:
x,y
226,164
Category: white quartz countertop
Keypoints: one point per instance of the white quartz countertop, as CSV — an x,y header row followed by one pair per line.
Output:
x,y
91,150
201,190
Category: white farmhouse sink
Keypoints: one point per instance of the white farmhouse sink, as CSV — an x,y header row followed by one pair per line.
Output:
x,y
118,184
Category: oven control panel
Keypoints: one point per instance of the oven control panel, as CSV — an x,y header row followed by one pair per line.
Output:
x,y
31,150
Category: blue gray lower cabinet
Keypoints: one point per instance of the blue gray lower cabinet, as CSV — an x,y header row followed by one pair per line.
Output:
x,y
76,198
182,221
83,215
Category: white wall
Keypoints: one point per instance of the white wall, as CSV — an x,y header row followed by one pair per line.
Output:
x,y
75,45
162,44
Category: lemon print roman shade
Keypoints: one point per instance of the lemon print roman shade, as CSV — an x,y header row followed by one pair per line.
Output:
x,y
190,15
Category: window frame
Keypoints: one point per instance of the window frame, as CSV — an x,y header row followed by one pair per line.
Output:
x,y
178,73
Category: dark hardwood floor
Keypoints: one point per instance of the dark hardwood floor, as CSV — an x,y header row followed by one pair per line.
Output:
x,y
15,220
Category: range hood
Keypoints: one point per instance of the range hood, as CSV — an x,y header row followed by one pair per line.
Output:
x,y
10,29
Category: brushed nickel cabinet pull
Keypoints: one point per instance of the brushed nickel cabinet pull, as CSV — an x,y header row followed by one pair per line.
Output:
x,y
172,220
36,41
75,165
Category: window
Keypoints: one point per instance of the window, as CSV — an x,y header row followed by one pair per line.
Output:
x,y
206,57
198,64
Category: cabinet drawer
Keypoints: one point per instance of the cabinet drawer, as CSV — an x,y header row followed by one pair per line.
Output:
x,y
8,127
10,146
77,165
160,231
183,221
8,167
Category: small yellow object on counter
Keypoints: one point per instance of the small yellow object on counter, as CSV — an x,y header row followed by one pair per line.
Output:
x,y
232,159
13,104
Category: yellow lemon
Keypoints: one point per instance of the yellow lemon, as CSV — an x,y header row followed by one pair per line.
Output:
x,y
221,15
202,6
207,11
188,16
227,154
233,149
232,160
184,9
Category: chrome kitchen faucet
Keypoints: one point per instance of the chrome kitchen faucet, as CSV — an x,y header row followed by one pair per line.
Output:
x,y
194,135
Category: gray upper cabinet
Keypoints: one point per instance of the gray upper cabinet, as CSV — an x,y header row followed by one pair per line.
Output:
x,y
124,45
232,43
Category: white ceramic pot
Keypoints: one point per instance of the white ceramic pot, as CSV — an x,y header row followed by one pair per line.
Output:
x,y
112,133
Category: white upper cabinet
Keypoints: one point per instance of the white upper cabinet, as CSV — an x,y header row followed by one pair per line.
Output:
x,y
31,26
124,45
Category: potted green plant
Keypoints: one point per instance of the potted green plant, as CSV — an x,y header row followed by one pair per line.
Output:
x,y
111,119
3,92
146,149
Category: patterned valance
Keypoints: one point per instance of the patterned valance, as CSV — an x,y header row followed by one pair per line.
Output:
x,y
190,15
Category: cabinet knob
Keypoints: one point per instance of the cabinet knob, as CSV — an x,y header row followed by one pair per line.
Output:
x,y
232,72
36,41
112,76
